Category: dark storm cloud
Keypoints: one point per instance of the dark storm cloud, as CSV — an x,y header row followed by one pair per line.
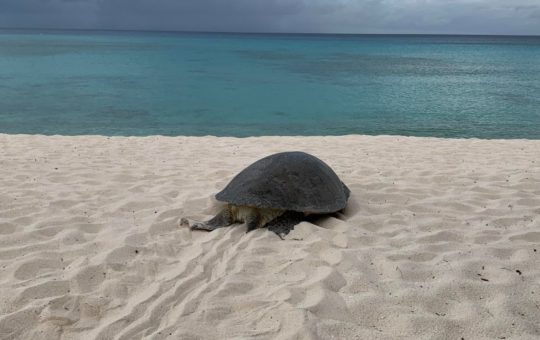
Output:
x,y
332,16
48,13
213,15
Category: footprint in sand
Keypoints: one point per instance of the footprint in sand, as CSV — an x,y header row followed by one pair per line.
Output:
x,y
89,278
7,228
35,267
41,291
533,237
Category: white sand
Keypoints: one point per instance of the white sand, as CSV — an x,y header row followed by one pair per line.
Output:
x,y
441,240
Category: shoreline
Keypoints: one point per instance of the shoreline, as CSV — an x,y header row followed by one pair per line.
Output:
x,y
441,238
3,134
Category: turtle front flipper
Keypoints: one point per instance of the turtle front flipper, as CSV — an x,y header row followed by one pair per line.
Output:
x,y
223,219
283,224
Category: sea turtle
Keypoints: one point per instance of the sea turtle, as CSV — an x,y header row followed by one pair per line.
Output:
x,y
278,192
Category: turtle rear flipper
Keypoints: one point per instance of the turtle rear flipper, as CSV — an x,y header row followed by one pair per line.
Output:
x,y
283,224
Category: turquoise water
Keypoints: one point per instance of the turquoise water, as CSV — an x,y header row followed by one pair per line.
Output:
x,y
130,83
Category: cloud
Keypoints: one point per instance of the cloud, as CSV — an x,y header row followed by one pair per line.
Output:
x,y
313,16
48,13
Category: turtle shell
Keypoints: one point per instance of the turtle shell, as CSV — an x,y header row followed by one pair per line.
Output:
x,y
294,181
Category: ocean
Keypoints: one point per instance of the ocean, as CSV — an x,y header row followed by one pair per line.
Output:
x,y
160,83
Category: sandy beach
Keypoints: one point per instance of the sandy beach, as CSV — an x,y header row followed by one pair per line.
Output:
x,y
440,240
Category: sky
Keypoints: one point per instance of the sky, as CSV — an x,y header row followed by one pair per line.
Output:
x,y
513,17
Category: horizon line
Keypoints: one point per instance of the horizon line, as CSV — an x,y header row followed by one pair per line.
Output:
x,y
263,33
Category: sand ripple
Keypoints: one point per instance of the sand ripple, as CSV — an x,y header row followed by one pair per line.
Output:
x,y
441,240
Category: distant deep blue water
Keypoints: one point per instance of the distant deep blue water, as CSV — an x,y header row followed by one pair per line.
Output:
x,y
132,83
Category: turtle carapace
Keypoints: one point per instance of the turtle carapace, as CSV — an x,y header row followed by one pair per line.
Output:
x,y
277,192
